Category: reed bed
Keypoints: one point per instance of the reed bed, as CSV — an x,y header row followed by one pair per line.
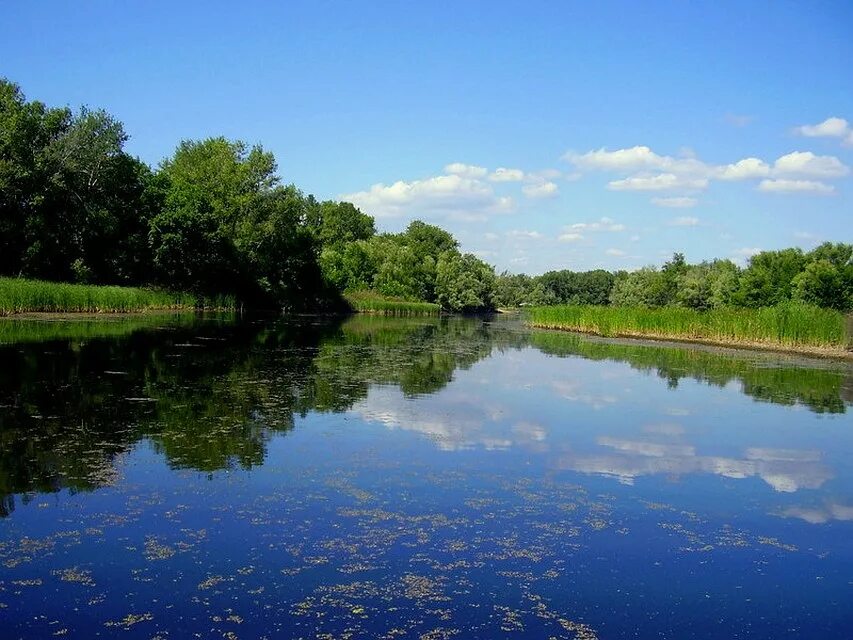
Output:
x,y
371,302
789,326
19,295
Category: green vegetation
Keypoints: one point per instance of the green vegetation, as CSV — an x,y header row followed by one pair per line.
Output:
x,y
215,218
788,325
371,302
822,277
19,295
20,329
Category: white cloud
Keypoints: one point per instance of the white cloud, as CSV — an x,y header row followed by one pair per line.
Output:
x,y
744,169
639,158
795,186
805,163
450,195
540,190
661,182
604,224
616,252
830,128
679,202
684,221
490,236
521,233
502,174
465,170
645,170
570,237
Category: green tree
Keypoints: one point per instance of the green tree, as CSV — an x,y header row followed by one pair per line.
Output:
x,y
337,223
822,283
769,278
464,282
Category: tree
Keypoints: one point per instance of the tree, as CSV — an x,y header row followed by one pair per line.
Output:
x,y
463,282
27,131
768,279
708,285
338,223
822,283
213,187
642,288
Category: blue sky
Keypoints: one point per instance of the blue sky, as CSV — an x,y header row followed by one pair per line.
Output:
x,y
625,130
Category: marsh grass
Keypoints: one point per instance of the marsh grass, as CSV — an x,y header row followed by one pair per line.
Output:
x,y
20,329
19,295
372,302
790,325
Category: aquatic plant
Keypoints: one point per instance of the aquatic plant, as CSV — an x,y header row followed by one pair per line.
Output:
x,y
371,302
20,295
789,325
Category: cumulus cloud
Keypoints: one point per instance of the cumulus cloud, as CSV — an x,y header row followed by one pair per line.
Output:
x,y
795,186
805,163
830,128
638,158
603,224
744,169
448,195
570,237
540,190
676,202
645,170
684,221
616,252
661,182
465,170
502,174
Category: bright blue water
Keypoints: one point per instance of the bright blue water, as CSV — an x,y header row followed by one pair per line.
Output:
x,y
419,479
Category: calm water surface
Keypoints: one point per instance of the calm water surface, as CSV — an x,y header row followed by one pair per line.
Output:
x,y
214,478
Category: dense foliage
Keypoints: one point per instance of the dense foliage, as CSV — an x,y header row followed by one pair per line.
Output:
x,y
215,218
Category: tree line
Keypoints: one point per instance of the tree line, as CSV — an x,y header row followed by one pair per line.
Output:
x,y
216,218
213,218
822,277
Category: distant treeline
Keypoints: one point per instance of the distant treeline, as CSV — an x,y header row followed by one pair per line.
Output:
x,y
822,277
215,219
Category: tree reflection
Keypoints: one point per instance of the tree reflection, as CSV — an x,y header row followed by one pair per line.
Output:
x,y
208,394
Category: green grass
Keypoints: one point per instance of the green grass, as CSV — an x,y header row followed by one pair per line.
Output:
x,y
793,326
20,329
372,302
19,295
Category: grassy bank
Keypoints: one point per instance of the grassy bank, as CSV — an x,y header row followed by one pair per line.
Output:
x,y
371,302
792,327
18,295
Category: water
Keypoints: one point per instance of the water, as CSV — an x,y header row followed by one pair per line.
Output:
x,y
303,478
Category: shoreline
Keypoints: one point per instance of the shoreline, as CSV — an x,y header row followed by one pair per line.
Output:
x,y
93,315
845,355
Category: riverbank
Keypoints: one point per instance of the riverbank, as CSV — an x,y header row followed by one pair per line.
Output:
x,y
20,295
788,328
371,302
